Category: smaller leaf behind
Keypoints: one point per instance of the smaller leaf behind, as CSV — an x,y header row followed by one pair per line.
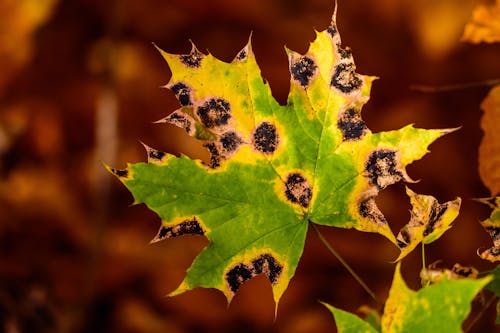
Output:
x,y
439,307
429,220
492,226
433,274
494,286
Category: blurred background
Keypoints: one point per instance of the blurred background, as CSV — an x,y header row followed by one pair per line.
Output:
x,y
79,87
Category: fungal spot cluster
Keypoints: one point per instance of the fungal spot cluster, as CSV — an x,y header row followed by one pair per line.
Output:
x,y
193,59
344,53
332,30
188,227
230,142
182,92
241,272
368,209
181,120
119,173
298,190
435,216
345,78
265,138
493,253
494,233
214,112
155,155
303,70
242,55
351,125
382,168
215,156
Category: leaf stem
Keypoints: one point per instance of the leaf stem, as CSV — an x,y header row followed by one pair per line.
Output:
x,y
423,256
454,87
344,263
480,314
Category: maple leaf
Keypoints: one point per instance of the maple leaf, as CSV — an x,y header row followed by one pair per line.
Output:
x,y
273,169
440,307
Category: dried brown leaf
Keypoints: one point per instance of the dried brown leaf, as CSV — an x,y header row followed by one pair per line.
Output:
x,y
489,150
484,25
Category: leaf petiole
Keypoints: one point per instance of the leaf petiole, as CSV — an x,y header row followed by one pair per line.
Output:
x,y
344,263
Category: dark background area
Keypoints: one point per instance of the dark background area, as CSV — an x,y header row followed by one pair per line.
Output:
x,y
79,87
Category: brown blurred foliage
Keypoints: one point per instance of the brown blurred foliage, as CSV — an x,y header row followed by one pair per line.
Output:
x,y
79,87
484,25
489,150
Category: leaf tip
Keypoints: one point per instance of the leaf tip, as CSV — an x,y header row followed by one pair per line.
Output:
x,y
450,130
119,173
154,155
183,287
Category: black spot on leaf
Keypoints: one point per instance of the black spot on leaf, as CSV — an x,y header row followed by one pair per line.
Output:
x,y
242,55
192,59
265,138
297,190
214,112
368,209
303,70
381,168
332,30
182,92
215,157
435,215
237,275
493,252
154,154
188,227
269,266
494,233
230,141
351,125
345,78
344,53
464,272
119,173
241,272
180,120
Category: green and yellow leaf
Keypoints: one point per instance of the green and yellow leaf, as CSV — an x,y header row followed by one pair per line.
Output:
x,y
440,307
273,169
